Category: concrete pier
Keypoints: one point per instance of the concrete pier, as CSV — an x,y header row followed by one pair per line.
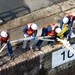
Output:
x,y
39,62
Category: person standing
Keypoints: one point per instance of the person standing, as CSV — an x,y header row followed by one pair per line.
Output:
x,y
5,38
48,30
30,30
68,20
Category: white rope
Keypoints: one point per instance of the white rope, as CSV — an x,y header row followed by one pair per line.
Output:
x,y
45,39
28,38
67,45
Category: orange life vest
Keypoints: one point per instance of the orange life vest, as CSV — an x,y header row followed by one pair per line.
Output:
x,y
29,31
52,33
4,40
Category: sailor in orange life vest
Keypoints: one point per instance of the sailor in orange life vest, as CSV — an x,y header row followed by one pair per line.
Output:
x,y
48,30
4,38
67,20
30,30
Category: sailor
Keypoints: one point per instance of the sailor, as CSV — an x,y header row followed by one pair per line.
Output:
x,y
68,19
48,30
5,38
30,30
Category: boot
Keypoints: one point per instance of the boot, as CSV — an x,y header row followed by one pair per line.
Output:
x,y
37,48
10,56
31,48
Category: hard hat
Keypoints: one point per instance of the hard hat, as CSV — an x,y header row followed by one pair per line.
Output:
x,y
49,28
58,30
65,20
34,27
4,34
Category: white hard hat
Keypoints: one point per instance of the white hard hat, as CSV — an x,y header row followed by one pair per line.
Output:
x,y
34,27
65,20
4,34
58,30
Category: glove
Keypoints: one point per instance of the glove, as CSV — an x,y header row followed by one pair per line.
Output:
x,y
25,35
33,38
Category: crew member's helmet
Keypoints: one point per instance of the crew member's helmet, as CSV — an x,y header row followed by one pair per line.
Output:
x,y
4,34
34,26
58,30
65,20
